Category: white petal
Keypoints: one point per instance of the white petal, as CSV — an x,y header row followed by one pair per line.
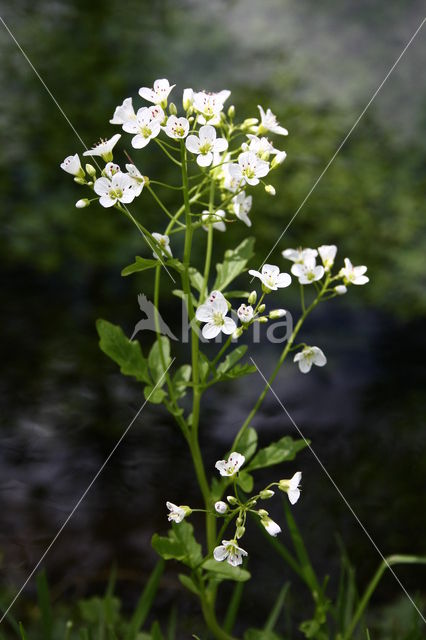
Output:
x,y
210,331
283,280
102,186
205,159
204,313
293,495
229,327
319,358
305,365
192,143
207,133
220,553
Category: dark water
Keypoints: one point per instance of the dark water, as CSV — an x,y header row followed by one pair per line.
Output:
x,y
64,406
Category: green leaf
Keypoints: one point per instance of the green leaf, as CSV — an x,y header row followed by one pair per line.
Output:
x,y
182,295
156,633
237,294
247,444
285,449
180,544
224,571
44,603
233,264
189,584
145,601
232,358
155,361
245,481
154,395
181,378
127,354
260,634
142,264
238,371
196,279
203,365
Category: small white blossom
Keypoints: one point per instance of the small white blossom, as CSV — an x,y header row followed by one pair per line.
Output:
x,y
72,165
260,146
249,168
177,514
231,466
117,189
271,527
124,112
209,105
327,254
206,145
159,93
309,356
187,98
229,181
214,219
104,148
340,289
111,169
81,204
353,275
137,178
291,487
299,255
164,242
308,271
229,551
177,128
270,189
271,277
214,314
241,206
245,313
221,507
146,126
268,122
215,295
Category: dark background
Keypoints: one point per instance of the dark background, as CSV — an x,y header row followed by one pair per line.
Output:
x,y
64,405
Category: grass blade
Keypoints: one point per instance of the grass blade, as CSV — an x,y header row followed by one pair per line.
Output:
x,y
234,605
44,603
145,601
277,608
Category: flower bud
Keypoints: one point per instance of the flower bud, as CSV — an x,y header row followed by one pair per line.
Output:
x,y
239,521
172,109
80,180
237,333
221,507
277,313
262,320
240,532
90,170
263,513
81,204
187,99
270,189
265,494
340,289
248,124
231,111
262,308
245,313
252,298
232,500
278,159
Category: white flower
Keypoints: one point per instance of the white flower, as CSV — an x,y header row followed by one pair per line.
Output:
x,y
209,105
268,122
353,275
299,255
111,169
309,356
308,271
137,178
327,253
340,289
260,146
271,277
72,165
241,205
164,242
214,314
291,487
231,466
206,145
214,219
117,189
271,527
104,148
249,168
177,514
146,126
221,507
124,112
177,128
187,98
81,204
245,313
159,93
230,182
229,551
214,295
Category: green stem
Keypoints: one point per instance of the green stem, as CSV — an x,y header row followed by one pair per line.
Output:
x,y
211,620
163,207
169,155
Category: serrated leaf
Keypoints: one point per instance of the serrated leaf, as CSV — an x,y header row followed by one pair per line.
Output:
x,y
180,544
156,365
232,358
285,449
234,263
247,444
224,571
189,584
126,353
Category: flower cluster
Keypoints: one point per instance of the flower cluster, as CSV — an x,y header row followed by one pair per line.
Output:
x,y
230,550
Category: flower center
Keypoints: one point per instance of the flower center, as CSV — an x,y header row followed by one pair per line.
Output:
x,y
218,321
249,172
179,131
205,147
116,193
146,131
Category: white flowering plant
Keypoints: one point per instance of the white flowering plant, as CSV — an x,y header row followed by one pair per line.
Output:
x,y
220,163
